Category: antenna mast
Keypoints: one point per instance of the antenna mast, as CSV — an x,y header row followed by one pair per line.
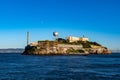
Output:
x,y
27,38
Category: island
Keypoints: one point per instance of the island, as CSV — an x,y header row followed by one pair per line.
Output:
x,y
69,46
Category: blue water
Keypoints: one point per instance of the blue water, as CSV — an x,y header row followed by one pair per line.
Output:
x,y
28,67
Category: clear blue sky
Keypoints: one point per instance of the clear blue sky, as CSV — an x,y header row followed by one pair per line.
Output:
x,y
99,20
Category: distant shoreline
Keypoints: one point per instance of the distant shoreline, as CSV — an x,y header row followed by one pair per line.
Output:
x,y
115,51
12,50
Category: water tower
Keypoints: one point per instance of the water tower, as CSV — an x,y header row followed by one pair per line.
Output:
x,y
55,34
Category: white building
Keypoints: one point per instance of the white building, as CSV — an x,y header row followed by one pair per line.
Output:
x,y
74,39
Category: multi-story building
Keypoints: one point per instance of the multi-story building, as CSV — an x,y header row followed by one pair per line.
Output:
x,y
75,39
47,44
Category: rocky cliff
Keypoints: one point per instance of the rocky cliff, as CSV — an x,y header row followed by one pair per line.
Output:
x,y
65,48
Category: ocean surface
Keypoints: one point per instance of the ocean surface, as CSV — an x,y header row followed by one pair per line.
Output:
x,y
28,67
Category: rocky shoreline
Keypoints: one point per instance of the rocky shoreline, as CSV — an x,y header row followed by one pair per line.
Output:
x,y
64,49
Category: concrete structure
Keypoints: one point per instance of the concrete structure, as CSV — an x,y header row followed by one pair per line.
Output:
x,y
47,44
33,44
75,39
63,48
47,47
70,46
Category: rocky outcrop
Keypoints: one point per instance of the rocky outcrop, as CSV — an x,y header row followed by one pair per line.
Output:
x,y
98,51
65,49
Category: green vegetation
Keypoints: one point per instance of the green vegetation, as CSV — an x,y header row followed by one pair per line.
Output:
x,y
61,40
30,49
105,47
94,43
75,51
86,44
